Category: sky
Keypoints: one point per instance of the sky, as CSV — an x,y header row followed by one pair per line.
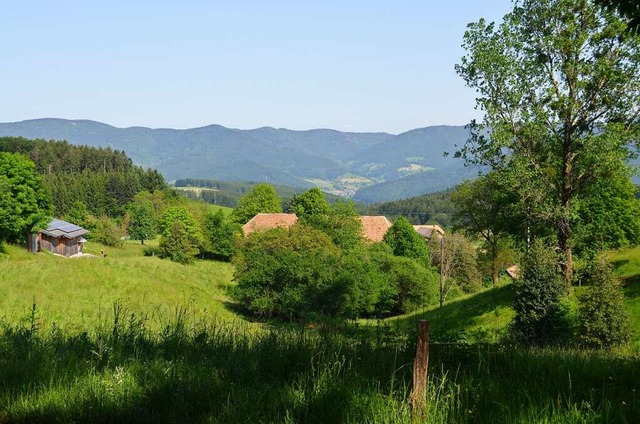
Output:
x,y
348,65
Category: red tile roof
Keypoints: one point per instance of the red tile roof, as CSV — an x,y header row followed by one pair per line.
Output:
x,y
374,227
268,221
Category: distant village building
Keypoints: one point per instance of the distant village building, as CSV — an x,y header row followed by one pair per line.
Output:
x,y
428,231
59,237
269,221
513,271
373,227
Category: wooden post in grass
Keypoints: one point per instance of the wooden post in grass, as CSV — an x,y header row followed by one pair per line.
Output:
x,y
418,396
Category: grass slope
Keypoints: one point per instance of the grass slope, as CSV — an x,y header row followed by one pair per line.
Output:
x,y
82,292
627,264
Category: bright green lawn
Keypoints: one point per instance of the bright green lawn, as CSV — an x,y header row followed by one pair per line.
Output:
x,y
627,263
481,316
82,292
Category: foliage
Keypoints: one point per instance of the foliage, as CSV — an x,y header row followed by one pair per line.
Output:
x,y
405,241
106,231
309,204
608,215
602,317
79,215
141,224
342,224
262,198
429,208
24,202
628,9
456,259
105,180
540,318
220,235
409,284
299,273
285,272
180,235
559,84
484,207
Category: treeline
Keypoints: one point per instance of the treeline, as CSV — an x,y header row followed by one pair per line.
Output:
x,y
102,179
430,208
228,193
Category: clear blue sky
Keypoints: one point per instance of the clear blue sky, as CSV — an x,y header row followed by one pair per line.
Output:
x,y
348,65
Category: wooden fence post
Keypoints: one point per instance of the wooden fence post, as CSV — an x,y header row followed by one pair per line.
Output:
x,y
418,397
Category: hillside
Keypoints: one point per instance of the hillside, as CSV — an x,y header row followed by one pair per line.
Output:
x,y
81,293
342,163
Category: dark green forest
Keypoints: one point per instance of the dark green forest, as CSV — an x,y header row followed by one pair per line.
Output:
x,y
101,179
427,209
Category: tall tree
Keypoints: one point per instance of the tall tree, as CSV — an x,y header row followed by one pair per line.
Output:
x,y
24,203
141,224
220,234
405,241
310,203
484,207
263,198
559,84
181,237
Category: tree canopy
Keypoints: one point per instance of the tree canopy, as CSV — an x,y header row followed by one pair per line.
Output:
x,y
559,84
310,203
24,202
262,198
141,223
405,241
181,237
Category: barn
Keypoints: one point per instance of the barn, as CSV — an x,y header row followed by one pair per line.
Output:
x,y
61,237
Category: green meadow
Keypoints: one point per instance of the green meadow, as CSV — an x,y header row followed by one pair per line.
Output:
x,y
81,292
130,338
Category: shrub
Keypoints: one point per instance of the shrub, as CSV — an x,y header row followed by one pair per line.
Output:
x,y
299,273
603,321
106,231
181,238
409,285
541,318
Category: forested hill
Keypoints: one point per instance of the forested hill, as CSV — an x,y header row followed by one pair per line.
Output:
x,y
431,208
342,163
101,180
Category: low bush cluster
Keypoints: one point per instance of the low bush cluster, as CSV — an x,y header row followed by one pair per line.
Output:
x,y
299,273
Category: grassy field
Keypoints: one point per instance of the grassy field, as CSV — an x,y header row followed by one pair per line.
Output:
x,y
82,292
185,356
627,263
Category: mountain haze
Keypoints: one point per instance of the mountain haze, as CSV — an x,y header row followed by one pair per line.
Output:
x,y
367,166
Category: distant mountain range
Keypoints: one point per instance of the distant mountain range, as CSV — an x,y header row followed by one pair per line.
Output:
x,y
369,167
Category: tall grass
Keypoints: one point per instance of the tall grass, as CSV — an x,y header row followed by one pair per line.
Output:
x,y
78,293
228,372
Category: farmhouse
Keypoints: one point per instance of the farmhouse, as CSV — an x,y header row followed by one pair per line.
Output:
x,y
61,237
268,221
427,231
373,227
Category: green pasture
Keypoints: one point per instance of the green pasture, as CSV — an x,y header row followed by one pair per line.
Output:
x,y
81,292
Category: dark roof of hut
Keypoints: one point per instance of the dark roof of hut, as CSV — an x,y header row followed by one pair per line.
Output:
x,y
58,228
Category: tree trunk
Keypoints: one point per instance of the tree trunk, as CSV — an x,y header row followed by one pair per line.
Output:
x,y
494,264
442,277
564,225
566,263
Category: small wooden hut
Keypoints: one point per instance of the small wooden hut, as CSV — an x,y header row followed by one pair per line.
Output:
x,y
61,237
